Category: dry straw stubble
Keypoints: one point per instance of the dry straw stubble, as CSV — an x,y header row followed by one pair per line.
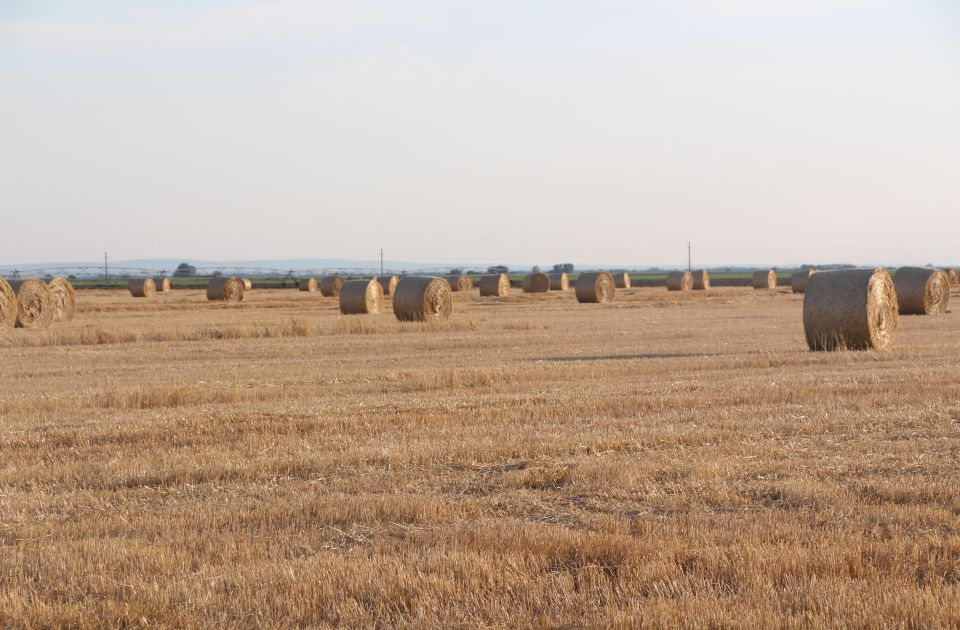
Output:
x,y
679,281
142,287
701,280
307,284
330,285
225,289
34,303
765,280
852,309
63,299
494,285
596,287
559,281
422,299
922,291
536,283
8,306
361,297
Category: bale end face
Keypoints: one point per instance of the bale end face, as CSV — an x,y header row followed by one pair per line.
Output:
x,y
422,299
34,303
63,299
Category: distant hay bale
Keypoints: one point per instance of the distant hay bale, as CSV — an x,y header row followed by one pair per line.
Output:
x,y
596,287
854,309
307,284
225,289
765,280
953,275
330,285
701,280
34,303
388,284
460,283
922,291
142,287
799,280
162,284
495,285
247,284
679,281
8,307
422,299
361,297
63,300
559,281
621,280
536,283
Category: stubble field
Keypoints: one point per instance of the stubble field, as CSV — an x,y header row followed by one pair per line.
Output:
x,y
667,460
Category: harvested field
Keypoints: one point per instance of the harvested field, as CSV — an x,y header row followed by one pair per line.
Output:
x,y
675,459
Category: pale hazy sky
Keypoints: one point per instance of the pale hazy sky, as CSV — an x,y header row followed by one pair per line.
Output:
x,y
531,131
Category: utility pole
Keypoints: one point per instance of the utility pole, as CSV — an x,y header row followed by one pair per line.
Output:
x,y
381,262
689,266
106,273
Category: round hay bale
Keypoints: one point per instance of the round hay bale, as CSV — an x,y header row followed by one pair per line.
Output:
x,y
853,309
247,284
596,287
388,284
953,275
330,285
225,289
679,281
622,280
536,283
799,280
361,297
559,281
307,284
765,280
422,299
34,303
162,284
460,283
701,280
142,287
495,285
63,299
8,307
922,291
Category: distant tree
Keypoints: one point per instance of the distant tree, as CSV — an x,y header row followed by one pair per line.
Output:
x,y
184,270
217,274
568,267
456,272
536,269
71,277
498,269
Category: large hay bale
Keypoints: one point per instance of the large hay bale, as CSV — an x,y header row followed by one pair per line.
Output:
x,y
388,284
330,285
8,307
765,280
799,280
460,283
361,297
495,285
854,309
307,284
63,299
559,281
596,287
621,280
679,281
422,299
247,284
162,284
34,303
536,283
225,289
922,291
701,280
142,287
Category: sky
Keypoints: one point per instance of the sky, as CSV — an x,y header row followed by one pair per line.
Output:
x,y
604,132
